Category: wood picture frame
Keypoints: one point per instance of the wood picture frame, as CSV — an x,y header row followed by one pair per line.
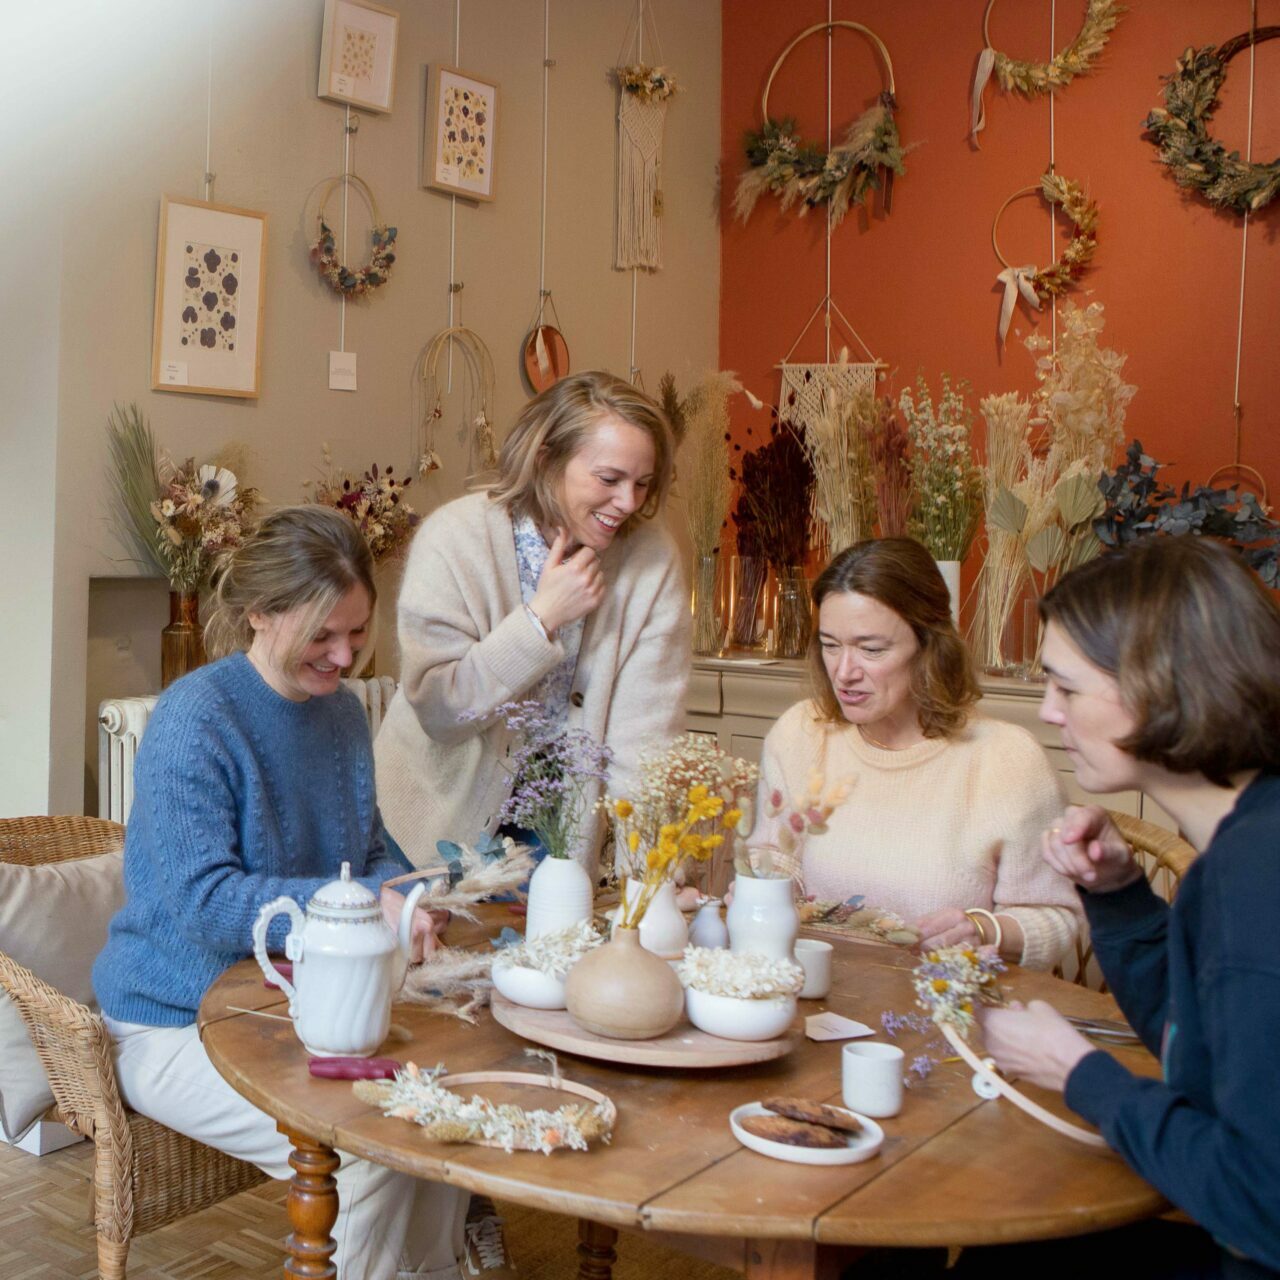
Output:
x,y
459,136
358,55
210,276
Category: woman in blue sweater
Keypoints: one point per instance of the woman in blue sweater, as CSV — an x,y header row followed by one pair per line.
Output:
x,y
255,780
1164,676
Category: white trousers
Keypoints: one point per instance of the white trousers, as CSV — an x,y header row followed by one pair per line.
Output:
x,y
390,1225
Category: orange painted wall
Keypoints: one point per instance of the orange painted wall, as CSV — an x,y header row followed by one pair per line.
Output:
x,y
919,284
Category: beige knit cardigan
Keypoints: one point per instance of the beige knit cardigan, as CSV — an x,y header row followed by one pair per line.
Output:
x,y
467,645
949,822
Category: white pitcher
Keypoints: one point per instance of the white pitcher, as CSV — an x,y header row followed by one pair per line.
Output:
x,y
347,965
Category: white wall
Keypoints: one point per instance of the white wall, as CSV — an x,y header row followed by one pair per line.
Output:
x,y
111,113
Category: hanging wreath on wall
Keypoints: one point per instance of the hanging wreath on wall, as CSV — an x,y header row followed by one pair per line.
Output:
x,y
780,161
1015,75
352,283
1037,284
1180,129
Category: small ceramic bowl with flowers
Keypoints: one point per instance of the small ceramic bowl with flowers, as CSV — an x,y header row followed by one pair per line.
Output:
x,y
739,995
533,973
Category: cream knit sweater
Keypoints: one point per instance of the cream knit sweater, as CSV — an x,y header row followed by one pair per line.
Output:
x,y
467,645
946,823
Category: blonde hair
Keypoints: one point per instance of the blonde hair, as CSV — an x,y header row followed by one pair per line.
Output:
x,y
902,576
555,425
305,557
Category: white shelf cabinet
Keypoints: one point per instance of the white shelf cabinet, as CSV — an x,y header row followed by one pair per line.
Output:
x,y
736,702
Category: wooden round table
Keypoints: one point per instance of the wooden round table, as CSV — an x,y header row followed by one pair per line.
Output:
x,y
954,1170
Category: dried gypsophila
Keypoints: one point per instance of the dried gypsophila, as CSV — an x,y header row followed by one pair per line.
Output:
x,y
740,975
551,953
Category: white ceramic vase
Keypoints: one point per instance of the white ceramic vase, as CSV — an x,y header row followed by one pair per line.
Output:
x,y
762,917
708,928
662,929
950,570
560,894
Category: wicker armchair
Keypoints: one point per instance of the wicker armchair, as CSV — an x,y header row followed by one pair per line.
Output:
x,y
1165,857
145,1175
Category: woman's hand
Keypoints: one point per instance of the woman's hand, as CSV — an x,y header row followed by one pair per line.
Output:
x,y
568,589
1086,848
1034,1043
946,928
426,928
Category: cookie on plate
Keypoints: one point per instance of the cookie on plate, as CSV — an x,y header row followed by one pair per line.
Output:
x,y
794,1133
813,1113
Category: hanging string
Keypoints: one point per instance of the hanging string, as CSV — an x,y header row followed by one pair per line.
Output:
x,y
547,64
1053,217
454,287
209,175
635,271
827,298
346,189
1244,232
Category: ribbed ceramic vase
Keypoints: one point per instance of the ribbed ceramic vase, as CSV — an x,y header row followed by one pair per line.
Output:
x,y
762,917
560,894
624,992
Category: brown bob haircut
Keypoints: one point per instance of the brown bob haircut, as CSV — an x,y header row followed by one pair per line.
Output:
x,y
901,575
555,425
1192,638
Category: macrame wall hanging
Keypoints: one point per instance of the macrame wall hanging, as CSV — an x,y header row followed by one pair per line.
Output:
x,y
803,385
476,419
643,92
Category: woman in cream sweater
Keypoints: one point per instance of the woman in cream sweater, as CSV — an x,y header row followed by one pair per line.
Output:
x,y
554,585
945,809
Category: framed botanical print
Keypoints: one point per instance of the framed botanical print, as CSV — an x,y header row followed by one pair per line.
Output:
x,y
460,132
210,263
358,54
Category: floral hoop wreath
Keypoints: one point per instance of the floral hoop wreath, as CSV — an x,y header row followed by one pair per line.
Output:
x,y
794,170
343,280
1014,75
1037,284
1181,131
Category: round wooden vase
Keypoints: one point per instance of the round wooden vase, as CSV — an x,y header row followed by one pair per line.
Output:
x,y
624,992
182,641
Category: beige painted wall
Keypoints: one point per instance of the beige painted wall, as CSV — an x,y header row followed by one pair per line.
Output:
x,y
117,116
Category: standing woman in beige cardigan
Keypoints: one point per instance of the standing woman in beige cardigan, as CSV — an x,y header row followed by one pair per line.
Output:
x,y
943,818
556,584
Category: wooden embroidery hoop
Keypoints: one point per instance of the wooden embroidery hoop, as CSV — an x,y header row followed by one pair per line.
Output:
x,y
384,241
1040,280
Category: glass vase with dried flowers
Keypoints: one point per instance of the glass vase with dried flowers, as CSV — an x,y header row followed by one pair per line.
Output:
x,y
176,519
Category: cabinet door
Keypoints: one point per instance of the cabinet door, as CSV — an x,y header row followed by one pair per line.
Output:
x,y
746,746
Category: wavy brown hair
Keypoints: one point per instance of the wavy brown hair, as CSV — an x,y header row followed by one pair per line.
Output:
x,y
306,556
552,427
901,575
1192,637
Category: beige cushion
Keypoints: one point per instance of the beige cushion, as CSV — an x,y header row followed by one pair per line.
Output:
x,y
53,919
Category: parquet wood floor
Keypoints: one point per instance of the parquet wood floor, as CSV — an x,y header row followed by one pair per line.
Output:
x,y
45,1234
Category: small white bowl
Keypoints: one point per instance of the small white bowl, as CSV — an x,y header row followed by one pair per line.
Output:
x,y
735,1018
529,987
860,1146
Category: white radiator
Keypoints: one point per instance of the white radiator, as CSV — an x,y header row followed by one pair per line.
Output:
x,y
121,722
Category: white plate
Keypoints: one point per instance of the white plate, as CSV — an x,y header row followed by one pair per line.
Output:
x,y
860,1146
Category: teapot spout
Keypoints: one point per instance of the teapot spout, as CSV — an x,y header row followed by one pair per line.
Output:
x,y
406,932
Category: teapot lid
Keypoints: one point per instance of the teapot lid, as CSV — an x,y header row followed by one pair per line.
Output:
x,y
344,898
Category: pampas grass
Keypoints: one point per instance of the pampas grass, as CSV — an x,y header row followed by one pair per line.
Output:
x,y
843,506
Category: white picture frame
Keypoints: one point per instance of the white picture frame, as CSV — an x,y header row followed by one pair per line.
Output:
x,y
358,55
455,157
210,273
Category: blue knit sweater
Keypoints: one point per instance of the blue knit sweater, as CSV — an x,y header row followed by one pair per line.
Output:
x,y
1201,985
240,796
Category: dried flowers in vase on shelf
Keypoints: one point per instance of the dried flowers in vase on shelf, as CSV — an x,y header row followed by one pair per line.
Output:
x,y
374,501
888,456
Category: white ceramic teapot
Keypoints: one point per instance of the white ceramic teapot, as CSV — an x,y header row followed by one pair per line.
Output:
x,y
347,965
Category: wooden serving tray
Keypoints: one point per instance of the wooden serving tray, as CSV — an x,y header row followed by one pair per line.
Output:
x,y
683,1046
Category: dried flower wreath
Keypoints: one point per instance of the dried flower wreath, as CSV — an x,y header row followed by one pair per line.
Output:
x,y
794,170
1180,129
352,283
1041,284
649,84
1015,75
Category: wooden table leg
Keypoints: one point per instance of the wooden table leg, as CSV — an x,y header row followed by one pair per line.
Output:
x,y
313,1209
797,1260
596,1254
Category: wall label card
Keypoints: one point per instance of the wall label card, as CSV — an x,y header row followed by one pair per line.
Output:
x,y
342,370
173,373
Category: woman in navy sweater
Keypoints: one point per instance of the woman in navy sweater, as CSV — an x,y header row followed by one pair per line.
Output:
x,y
255,779
1164,676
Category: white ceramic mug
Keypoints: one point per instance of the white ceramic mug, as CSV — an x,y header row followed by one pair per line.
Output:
x,y
871,1078
814,958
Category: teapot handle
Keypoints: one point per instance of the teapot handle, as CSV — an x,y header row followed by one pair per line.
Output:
x,y
406,929
293,945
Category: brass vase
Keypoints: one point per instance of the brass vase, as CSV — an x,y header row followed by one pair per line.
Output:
x,y
182,641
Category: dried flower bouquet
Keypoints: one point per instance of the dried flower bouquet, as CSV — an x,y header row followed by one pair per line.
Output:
x,y
375,502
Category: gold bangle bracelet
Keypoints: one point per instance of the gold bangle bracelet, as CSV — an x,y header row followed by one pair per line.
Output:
x,y
978,913
976,921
